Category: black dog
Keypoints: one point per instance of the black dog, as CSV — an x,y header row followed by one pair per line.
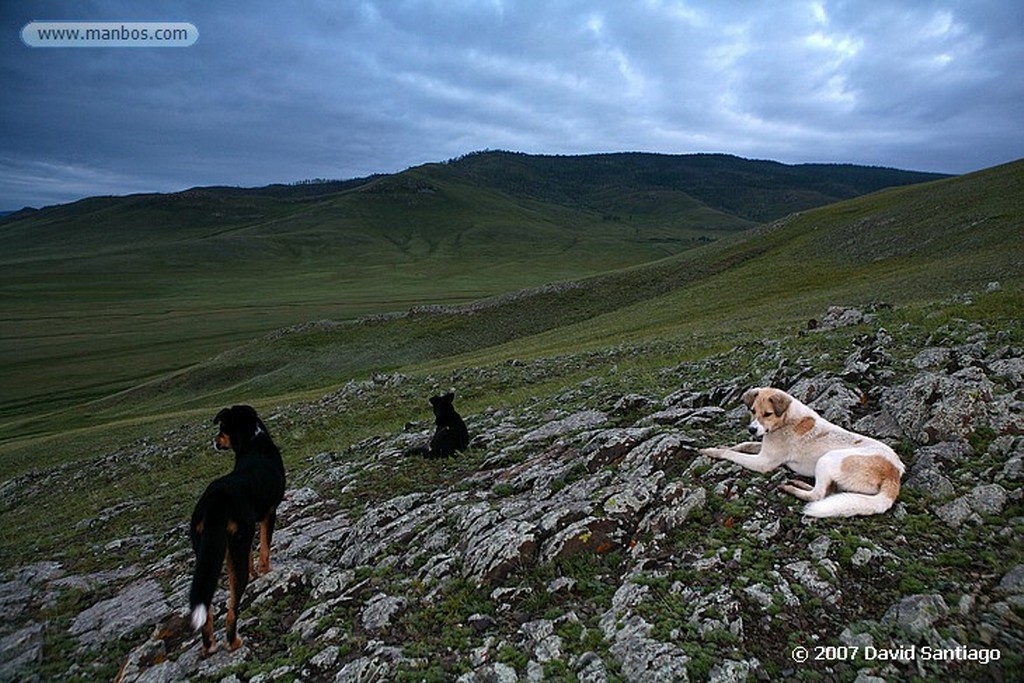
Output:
x,y
224,521
451,434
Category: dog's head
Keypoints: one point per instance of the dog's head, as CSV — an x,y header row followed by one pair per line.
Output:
x,y
443,405
767,409
239,425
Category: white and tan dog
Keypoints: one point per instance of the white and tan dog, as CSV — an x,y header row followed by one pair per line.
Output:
x,y
866,470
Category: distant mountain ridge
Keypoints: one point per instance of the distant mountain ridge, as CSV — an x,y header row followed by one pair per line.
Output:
x,y
756,190
572,179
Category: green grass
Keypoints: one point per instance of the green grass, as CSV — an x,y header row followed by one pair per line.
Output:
x,y
100,298
136,459
166,478
107,293
116,361
121,339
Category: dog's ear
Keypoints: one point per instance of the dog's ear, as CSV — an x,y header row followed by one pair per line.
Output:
x,y
749,396
251,419
780,402
248,411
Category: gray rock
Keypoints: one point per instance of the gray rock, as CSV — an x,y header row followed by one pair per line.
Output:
x,y
367,669
40,572
732,671
957,512
861,557
148,664
760,594
1010,369
591,669
490,673
684,416
829,396
861,640
678,503
590,535
819,547
842,316
989,499
283,579
326,658
931,358
18,594
934,407
1012,582
632,402
377,664
944,453
577,422
642,658
542,641
916,614
654,454
140,604
380,610
930,482
807,575
762,529
492,553
646,660
930,461
865,677
20,652
610,446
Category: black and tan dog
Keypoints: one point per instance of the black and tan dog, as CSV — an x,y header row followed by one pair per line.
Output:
x,y
225,519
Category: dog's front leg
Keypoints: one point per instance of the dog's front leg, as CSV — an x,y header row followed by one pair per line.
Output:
x,y
756,462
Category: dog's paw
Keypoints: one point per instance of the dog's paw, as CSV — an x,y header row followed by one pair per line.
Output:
x,y
713,452
800,489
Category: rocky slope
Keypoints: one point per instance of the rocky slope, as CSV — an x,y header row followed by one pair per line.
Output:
x,y
584,538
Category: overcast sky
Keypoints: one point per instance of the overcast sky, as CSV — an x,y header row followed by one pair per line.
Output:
x,y
278,91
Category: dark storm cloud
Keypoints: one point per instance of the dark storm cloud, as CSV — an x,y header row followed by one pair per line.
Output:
x,y
274,92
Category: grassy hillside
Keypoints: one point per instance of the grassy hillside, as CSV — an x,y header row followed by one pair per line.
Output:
x,y
618,183
903,245
689,331
103,294
108,293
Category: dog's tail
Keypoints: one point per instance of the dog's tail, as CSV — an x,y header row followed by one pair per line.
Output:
x,y
210,554
847,504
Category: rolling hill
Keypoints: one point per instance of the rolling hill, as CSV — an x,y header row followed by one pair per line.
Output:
x,y
582,534
108,292
902,245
